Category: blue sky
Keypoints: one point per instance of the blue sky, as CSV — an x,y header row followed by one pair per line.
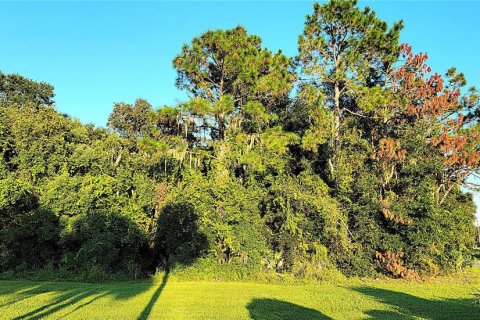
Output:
x,y
98,53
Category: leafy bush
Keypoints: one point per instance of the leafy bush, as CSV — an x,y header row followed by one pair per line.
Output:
x,y
107,242
28,234
178,237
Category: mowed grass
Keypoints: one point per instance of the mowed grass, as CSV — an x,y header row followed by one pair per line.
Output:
x,y
443,298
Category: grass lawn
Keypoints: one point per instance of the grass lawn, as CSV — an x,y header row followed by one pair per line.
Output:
x,y
441,298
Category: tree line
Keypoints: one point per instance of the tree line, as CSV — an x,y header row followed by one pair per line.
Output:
x,y
352,156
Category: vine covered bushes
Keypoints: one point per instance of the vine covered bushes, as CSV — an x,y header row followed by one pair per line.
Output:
x,y
352,156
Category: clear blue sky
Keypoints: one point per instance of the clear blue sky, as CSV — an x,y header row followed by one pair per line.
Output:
x,y
98,53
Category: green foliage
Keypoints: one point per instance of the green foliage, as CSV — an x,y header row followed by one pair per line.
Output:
x,y
232,62
230,69
178,237
303,220
77,195
351,158
131,121
227,216
342,42
109,242
443,238
17,90
28,234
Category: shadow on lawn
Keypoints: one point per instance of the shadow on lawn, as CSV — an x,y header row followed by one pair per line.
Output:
x,y
179,241
23,293
148,308
266,309
64,297
407,306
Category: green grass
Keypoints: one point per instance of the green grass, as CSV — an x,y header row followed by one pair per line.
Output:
x,y
442,298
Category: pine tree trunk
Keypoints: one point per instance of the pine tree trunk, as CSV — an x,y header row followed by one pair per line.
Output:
x,y
336,114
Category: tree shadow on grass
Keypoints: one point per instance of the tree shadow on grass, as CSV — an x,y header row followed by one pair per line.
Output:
x,y
62,301
95,298
148,308
23,294
64,295
178,242
407,306
272,309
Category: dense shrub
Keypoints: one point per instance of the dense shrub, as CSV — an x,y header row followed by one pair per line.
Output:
x,y
28,234
178,239
109,242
